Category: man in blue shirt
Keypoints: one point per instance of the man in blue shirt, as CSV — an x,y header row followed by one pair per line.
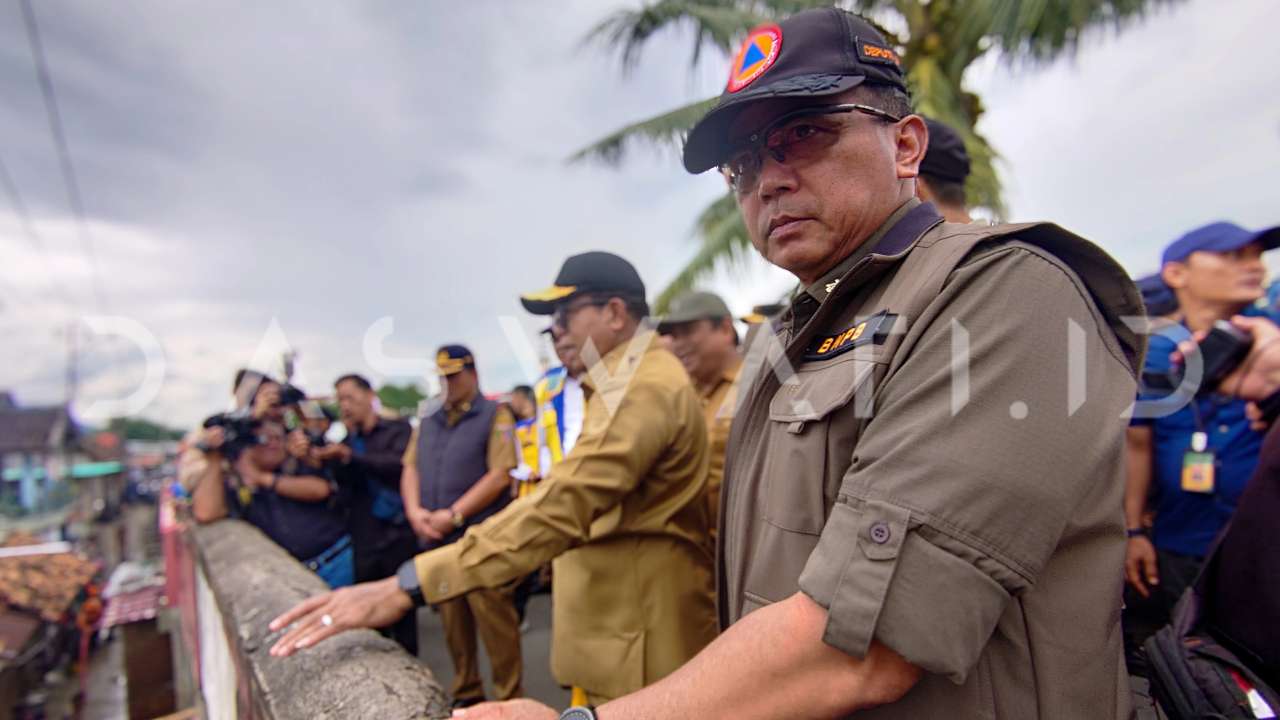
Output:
x,y
1188,467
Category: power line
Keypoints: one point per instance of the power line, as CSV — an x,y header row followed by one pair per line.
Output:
x,y
29,230
45,80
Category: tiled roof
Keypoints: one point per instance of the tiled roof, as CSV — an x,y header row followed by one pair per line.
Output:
x,y
44,584
30,429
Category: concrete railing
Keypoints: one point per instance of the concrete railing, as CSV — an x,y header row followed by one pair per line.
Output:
x,y
238,580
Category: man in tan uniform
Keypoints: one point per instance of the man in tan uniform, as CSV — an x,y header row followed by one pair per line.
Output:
x,y
456,470
624,515
706,343
921,511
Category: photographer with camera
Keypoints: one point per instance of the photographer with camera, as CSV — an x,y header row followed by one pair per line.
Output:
x,y
1188,468
255,479
367,463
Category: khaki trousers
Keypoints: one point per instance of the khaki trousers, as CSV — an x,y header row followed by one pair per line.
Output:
x,y
489,612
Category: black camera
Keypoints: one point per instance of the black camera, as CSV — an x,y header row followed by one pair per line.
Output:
x,y
239,430
1222,351
291,395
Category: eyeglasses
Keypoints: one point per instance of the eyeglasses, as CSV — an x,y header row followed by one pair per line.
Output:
x,y
793,139
566,310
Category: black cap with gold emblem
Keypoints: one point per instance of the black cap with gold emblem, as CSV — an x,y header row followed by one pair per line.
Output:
x,y
589,272
815,53
453,359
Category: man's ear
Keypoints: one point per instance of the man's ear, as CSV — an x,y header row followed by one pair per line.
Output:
x,y
617,314
1174,275
912,137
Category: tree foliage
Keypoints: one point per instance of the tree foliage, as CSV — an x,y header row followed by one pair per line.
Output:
x,y
939,40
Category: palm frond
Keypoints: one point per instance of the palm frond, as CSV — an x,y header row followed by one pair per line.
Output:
x,y
1041,30
724,239
938,96
718,23
665,130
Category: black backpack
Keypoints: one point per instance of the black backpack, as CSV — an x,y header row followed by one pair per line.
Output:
x,y
1193,676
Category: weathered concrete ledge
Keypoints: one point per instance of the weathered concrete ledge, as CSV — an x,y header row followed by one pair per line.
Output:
x,y
358,674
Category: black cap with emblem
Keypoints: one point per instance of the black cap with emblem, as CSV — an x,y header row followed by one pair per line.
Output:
x,y
815,53
589,272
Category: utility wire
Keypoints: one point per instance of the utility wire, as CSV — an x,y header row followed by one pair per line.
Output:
x,y
29,230
45,80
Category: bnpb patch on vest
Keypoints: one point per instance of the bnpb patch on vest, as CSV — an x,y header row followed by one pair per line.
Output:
x,y
872,331
758,53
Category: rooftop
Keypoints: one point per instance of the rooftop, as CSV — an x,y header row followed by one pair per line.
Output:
x,y
44,584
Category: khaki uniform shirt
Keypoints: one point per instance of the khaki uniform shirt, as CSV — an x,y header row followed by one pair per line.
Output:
x,y
624,516
719,402
969,518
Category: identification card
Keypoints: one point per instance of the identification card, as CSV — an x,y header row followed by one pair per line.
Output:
x,y
1197,472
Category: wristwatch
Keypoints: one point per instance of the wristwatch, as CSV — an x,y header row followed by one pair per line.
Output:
x,y
1132,533
582,712
457,518
407,578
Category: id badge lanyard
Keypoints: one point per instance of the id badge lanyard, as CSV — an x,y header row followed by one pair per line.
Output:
x,y
1198,460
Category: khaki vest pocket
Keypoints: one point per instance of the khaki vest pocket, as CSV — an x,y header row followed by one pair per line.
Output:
x,y
796,463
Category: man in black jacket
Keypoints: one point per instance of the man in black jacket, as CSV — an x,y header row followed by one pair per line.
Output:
x,y
367,463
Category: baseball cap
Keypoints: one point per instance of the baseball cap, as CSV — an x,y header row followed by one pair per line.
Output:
x,y
589,272
814,53
945,158
693,306
453,359
1156,296
1219,237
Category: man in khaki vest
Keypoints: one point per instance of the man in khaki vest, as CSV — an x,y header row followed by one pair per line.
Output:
x,y
624,515
921,508
705,341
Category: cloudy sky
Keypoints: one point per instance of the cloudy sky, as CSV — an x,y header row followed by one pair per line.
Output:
x,y
262,175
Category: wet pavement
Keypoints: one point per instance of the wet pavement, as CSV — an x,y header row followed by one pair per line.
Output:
x,y
535,646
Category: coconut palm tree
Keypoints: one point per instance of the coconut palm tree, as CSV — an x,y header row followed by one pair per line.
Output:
x,y
938,41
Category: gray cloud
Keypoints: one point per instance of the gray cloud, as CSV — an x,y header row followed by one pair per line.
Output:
x,y
326,165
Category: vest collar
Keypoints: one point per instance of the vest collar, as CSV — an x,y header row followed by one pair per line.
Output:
x,y
467,408
820,289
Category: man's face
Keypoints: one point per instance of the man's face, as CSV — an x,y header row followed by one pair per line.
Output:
x,y
355,404
269,453
266,404
521,405
566,352
586,319
806,217
460,386
1234,277
701,346
316,425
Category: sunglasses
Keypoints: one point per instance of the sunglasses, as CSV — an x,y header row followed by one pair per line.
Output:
x,y
566,310
794,139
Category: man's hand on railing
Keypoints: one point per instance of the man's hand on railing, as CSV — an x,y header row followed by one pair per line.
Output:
x,y
367,605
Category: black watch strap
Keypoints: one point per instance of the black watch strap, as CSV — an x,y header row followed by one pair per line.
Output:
x,y
581,712
407,578
1135,532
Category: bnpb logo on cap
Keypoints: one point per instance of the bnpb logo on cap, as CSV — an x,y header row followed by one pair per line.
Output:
x,y
758,53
